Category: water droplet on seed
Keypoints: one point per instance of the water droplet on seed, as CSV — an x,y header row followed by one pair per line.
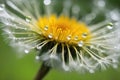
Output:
x,y
52,56
80,44
91,71
65,67
91,46
84,35
110,26
28,19
2,7
101,3
114,61
26,51
7,24
50,35
39,47
76,38
13,38
37,57
46,28
69,37
47,2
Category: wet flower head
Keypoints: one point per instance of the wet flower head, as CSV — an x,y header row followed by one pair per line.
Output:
x,y
66,34
63,29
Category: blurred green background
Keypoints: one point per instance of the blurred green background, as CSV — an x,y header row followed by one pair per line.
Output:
x,y
13,67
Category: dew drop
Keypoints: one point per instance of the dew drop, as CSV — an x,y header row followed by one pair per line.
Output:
x,y
81,65
8,31
39,47
65,67
80,44
52,56
101,3
116,47
26,51
46,28
2,7
91,46
7,23
76,38
14,38
69,37
91,71
47,2
110,26
37,57
114,61
28,19
84,35
50,35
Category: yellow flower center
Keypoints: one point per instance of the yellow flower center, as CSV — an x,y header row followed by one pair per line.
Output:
x,y
63,29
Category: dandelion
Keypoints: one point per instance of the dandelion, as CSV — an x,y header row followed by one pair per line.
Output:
x,y
65,34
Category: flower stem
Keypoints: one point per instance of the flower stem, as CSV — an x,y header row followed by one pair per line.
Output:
x,y
42,72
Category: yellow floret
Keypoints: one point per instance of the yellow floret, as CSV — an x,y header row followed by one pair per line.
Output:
x,y
63,29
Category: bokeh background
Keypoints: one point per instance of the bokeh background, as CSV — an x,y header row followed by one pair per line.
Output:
x,y
14,67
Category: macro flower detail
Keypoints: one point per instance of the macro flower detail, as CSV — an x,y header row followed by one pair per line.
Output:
x,y
70,38
54,28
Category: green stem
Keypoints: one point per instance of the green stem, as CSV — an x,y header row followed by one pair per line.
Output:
x,y
42,72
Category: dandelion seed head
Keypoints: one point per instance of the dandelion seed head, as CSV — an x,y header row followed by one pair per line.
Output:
x,y
70,38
